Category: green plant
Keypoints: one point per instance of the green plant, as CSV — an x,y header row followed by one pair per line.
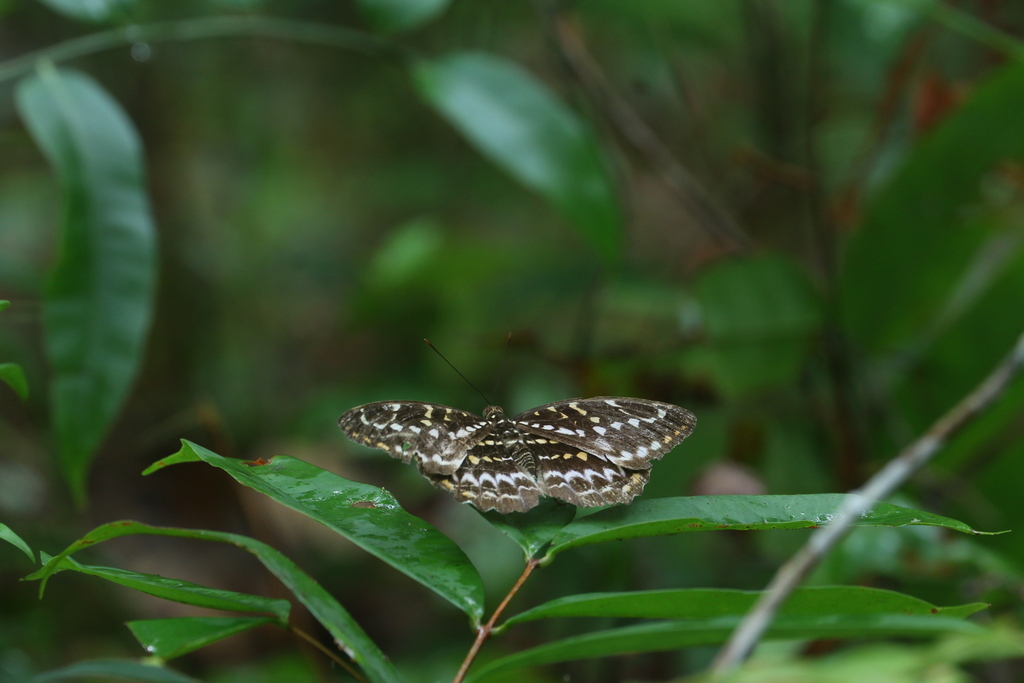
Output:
x,y
818,304
372,519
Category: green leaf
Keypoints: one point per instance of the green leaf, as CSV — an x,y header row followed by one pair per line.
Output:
x,y
515,121
14,376
183,591
368,516
126,669
98,301
7,534
901,266
707,603
4,304
670,635
94,11
664,516
534,529
759,313
170,638
395,16
347,633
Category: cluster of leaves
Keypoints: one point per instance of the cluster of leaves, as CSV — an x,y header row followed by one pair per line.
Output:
x,y
371,518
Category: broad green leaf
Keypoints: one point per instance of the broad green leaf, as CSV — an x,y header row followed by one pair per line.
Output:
x,y
534,529
395,16
7,534
368,516
118,669
4,304
98,301
88,10
184,592
347,633
707,603
170,638
14,376
515,121
901,266
760,314
670,635
664,516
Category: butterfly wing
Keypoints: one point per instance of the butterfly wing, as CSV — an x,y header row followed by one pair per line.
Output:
x,y
581,478
437,437
628,432
491,480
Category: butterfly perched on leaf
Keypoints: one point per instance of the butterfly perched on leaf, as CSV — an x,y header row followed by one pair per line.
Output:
x,y
585,451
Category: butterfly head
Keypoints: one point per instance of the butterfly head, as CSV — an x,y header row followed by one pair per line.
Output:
x,y
494,413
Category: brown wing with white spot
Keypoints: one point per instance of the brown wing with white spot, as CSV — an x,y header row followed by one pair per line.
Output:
x,y
628,432
436,437
490,479
584,479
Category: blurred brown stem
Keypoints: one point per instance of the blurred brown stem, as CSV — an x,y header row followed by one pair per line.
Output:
x,y
889,478
573,50
484,632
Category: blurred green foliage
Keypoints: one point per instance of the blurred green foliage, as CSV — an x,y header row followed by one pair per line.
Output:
x,y
800,220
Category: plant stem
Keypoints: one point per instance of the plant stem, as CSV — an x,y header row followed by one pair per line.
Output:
x,y
888,479
333,657
198,29
484,632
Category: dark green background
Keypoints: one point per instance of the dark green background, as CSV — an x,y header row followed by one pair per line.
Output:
x,y
321,210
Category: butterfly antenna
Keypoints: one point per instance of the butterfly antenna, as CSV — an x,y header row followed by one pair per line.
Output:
x,y
486,400
504,357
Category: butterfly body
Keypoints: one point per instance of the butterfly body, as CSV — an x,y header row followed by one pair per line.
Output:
x,y
588,452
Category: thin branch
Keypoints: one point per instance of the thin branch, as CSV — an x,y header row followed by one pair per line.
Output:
x,y
712,218
197,29
333,657
890,478
484,632
957,20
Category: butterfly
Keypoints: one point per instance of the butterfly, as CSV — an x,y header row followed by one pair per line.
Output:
x,y
584,451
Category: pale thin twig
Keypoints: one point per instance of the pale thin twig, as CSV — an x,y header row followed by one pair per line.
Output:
x,y
888,479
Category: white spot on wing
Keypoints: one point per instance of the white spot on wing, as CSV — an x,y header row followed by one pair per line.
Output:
x,y
434,433
635,422
600,430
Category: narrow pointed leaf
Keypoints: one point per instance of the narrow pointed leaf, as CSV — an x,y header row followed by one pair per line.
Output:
x,y
670,635
170,638
705,603
98,300
665,516
14,376
7,534
184,592
534,529
117,669
516,122
891,288
347,633
368,516
93,11
395,16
